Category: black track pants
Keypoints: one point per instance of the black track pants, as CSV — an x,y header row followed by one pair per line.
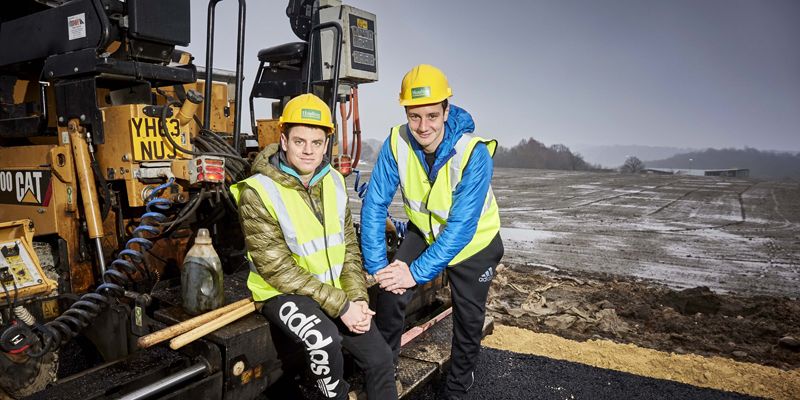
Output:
x,y
469,288
302,320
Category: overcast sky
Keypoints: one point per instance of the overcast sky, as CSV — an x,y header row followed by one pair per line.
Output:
x,y
685,73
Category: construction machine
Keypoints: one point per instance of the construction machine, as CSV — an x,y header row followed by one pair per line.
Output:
x,y
115,149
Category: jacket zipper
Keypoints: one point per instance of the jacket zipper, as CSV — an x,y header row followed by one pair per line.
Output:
x,y
321,219
430,214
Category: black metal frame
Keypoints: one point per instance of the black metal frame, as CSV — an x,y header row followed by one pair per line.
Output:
x,y
77,67
212,5
308,66
336,65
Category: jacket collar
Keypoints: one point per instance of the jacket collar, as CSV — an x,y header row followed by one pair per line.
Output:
x,y
272,162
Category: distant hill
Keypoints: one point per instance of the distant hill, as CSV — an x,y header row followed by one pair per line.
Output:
x,y
370,149
762,164
530,153
612,156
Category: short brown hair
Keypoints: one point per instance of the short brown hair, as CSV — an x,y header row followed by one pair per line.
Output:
x,y
444,104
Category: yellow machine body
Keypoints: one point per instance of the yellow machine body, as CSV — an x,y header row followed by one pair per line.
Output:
x,y
40,184
139,149
268,132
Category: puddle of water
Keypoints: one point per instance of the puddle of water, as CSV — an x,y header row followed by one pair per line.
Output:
x,y
531,235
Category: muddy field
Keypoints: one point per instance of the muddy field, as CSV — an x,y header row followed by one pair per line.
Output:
x,y
676,263
762,330
683,264
729,234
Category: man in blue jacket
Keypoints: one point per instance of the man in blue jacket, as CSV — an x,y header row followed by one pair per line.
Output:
x,y
445,173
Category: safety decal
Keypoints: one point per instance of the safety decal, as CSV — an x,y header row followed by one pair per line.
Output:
x,y
311,114
419,92
76,26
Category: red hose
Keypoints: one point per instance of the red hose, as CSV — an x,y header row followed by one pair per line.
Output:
x,y
343,126
356,130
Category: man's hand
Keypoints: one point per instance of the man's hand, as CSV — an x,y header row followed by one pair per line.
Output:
x,y
366,322
396,277
355,319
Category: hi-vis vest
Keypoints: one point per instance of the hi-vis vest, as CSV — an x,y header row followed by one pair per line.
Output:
x,y
304,234
428,206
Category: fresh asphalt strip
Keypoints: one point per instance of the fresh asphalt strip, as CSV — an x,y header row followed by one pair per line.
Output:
x,y
507,375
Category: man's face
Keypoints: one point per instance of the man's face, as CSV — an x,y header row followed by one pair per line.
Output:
x,y
304,146
427,124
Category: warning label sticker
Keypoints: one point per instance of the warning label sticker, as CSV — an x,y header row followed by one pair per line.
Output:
x,y
76,26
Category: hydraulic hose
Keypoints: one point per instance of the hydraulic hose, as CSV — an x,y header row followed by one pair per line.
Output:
x,y
80,314
355,147
208,143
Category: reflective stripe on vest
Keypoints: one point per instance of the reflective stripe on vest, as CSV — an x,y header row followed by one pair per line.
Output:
x,y
428,205
336,270
322,256
289,232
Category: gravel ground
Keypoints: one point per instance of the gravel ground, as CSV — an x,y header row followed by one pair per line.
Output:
x,y
508,375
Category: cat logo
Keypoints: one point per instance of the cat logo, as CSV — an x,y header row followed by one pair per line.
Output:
x,y
28,187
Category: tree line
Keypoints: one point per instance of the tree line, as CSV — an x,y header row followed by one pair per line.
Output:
x,y
762,164
530,153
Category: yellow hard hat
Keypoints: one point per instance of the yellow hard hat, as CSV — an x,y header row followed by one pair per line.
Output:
x,y
424,84
306,109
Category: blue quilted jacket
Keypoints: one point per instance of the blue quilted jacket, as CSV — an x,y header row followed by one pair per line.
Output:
x,y
468,200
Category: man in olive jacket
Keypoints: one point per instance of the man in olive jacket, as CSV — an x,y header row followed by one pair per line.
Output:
x,y
305,256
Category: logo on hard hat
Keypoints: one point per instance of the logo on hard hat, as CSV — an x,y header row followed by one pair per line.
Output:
x,y
311,114
419,92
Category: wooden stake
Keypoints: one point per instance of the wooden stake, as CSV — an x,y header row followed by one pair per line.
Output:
x,y
211,326
185,326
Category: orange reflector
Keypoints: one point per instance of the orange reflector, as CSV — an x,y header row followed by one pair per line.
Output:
x,y
214,177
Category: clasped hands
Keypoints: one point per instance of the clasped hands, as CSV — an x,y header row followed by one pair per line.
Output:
x,y
395,277
358,317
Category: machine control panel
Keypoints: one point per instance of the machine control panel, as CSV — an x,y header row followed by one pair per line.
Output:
x,y
19,267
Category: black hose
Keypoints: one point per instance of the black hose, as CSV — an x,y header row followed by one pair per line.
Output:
x,y
209,143
185,212
106,194
229,203
8,301
237,168
163,122
115,279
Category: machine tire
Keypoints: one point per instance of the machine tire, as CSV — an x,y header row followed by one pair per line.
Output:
x,y
22,376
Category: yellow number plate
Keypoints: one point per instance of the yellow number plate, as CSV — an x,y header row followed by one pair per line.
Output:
x,y
149,143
